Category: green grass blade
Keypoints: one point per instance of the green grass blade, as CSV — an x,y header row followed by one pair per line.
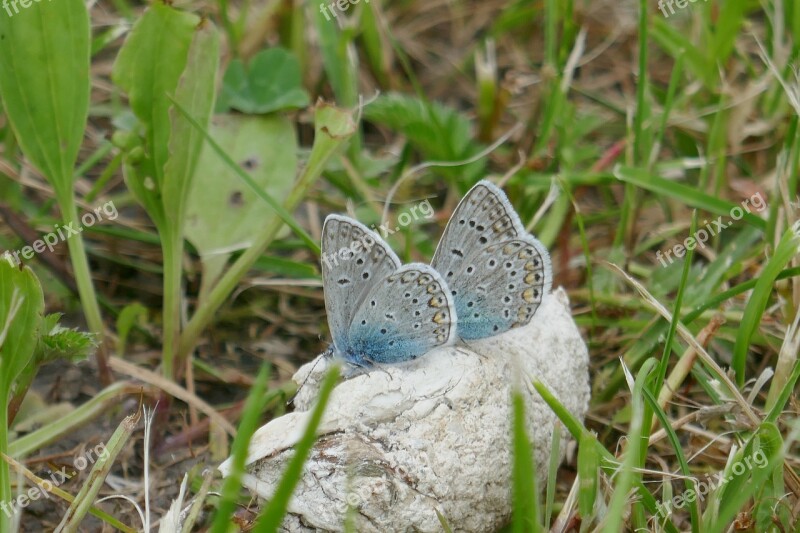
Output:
x,y
85,498
525,515
689,195
787,249
588,471
608,463
676,445
272,516
627,475
251,416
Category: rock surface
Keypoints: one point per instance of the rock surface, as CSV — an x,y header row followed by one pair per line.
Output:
x,y
404,441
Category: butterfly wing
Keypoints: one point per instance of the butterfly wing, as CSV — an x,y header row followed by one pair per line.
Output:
x,y
402,317
484,216
353,259
497,272
500,287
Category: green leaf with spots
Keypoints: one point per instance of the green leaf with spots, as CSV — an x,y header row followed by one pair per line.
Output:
x,y
224,215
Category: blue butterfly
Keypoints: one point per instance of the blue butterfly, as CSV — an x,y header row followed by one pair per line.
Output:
x,y
497,272
379,311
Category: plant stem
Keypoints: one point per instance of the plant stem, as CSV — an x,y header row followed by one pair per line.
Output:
x,y
173,271
217,296
5,475
83,278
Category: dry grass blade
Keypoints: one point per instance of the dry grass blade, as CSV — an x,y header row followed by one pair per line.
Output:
x,y
171,388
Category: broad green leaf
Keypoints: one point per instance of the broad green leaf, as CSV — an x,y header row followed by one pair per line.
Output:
x,y
44,83
148,68
272,81
223,214
21,309
195,92
440,133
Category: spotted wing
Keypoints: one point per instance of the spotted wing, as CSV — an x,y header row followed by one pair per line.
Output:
x,y
403,316
354,258
483,217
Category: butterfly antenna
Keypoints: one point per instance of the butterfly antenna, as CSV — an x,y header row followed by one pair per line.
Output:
x,y
327,354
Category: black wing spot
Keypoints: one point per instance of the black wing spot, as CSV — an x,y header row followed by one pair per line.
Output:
x,y
415,301
383,331
492,263
373,303
511,286
509,264
470,270
456,251
363,322
495,328
343,281
461,221
471,223
417,313
480,227
470,303
483,240
453,293
365,275
476,315
359,261
507,299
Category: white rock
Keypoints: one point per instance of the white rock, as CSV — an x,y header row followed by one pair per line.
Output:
x,y
403,441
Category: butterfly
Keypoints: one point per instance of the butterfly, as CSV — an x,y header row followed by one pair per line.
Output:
x,y
380,311
496,271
